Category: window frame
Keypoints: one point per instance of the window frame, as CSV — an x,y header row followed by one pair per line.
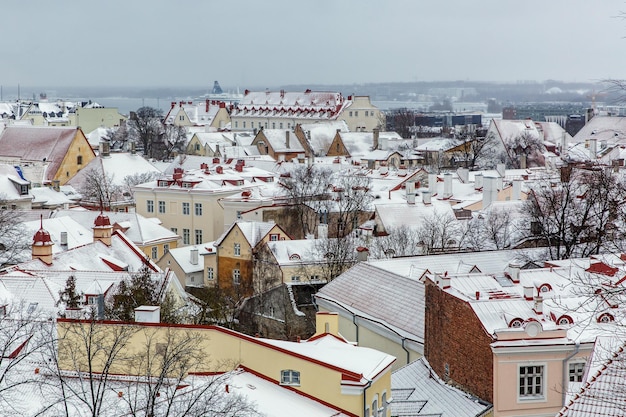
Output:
x,y
154,252
150,206
198,236
197,209
236,276
290,377
237,249
161,206
538,397
577,373
186,236
186,208
210,273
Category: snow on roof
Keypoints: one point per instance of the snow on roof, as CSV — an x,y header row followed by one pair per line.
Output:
x,y
417,386
77,233
295,252
199,113
48,197
182,256
358,144
510,129
9,178
252,231
277,138
609,128
439,144
118,165
95,136
381,296
40,143
331,350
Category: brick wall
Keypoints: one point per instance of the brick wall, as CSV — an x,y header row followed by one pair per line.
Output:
x,y
456,345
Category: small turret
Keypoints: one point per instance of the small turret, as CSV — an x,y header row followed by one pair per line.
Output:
x,y
42,245
102,229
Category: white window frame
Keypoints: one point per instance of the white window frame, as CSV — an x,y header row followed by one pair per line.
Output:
x,y
290,377
198,236
186,209
186,236
197,209
237,249
577,372
161,206
236,276
150,206
541,397
210,274
155,252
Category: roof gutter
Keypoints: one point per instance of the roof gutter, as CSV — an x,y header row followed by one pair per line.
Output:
x,y
369,384
576,349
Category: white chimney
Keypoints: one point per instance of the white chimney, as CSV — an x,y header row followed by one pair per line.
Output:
x,y
410,192
463,174
447,185
322,231
490,191
384,143
514,269
538,305
148,314
64,239
528,293
432,184
563,142
287,139
443,280
426,197
593,149
501,168
193,256
517,189
478,181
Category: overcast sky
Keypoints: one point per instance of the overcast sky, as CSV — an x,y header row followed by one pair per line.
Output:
x,y
278,42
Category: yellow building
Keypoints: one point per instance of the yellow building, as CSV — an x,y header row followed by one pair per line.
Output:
x,y
65,150
210,113
353,380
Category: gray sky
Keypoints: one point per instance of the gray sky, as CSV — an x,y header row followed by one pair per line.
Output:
x,y
269,43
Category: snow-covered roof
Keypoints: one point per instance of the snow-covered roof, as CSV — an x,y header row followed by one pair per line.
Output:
x,y
380,296
199,114
118,166
418,391
79,233
609,128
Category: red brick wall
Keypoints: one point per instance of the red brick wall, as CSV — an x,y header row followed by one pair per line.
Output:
x,y
454,336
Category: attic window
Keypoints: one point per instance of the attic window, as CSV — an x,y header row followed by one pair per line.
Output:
x,y
516,323
545,288
294,257
162,183
564,321
289,377
606,318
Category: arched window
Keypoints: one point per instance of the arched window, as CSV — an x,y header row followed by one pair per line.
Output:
x,y
516,322
294,257
605,318
565,320
545,288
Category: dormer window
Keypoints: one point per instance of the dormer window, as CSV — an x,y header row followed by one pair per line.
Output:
x,y
274,237
289,377
162,183
564,321
545,288
516,323
23,189
294,257
606,318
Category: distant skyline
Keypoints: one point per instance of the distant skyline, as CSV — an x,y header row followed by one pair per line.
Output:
x,y
248,43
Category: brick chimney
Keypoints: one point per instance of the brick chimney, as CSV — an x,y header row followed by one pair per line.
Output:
x,y
42,245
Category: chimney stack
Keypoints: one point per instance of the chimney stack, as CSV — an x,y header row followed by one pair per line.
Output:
x,y
362,253
193,256
501,169
375,135
426,197
410,192
64,240
538,305
490,191
447,185
463,174
517,189
56,185
287,139
528,293
432,184
593,149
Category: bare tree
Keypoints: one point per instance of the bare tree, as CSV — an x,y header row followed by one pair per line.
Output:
x,y
574,217
139,178
146,127
351,199
525,145
401,121
339,254
98,188
400,241
493,229
173,141
439,232
13,239
476,151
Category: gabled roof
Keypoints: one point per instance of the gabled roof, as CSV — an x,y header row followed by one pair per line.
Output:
x,y
254,232
39,143
393,301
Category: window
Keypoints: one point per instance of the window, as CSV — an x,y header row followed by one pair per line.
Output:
x,y
197,147
350,114
236,276
181,117
209,273
155,252
289,377
174,229
273,125
92,299
244,125
238,215
281,125
23,189
531,381
375,407
366,113
185,236
186,209
161,206
237,249
236,125
576,371
295,278
166,248
356,114
274,237
79,160
198,236
150,206
252,125
198,209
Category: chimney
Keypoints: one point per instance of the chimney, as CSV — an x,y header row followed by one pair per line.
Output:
x,y
514,269
204,166
517,189
426,197
463,174
563,143
322,231
410,192
64,240
593,149
148,314
528,293
41,247
133,148
522,161
56,185
443,280
105,149
538,305
193,256
362,253
178,173
102,229
432,184
501,168
206,106
327,323
287,139
375,135
478,181
447,185
490,191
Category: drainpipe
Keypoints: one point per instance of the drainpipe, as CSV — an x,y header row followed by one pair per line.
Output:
x,y
369,384
576,348
408,354
356,326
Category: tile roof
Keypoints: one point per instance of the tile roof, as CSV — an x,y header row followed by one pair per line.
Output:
x,y
418,391
381,296
39,144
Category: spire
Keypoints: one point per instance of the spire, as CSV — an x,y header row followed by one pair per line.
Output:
x,y
102,229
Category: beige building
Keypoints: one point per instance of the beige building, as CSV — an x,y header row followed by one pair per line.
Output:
x,y
283,110
210,113
353,380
